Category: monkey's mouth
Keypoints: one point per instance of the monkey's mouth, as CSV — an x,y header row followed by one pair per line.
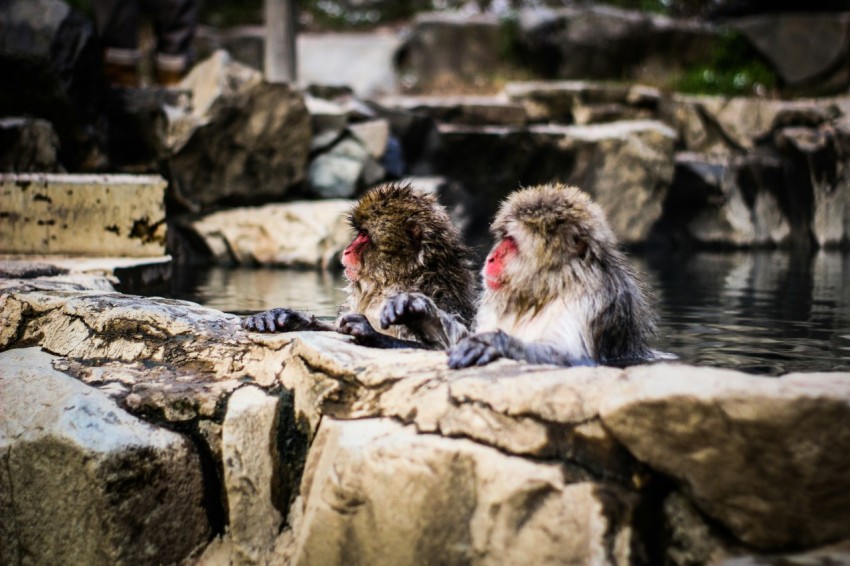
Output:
x,y
493,284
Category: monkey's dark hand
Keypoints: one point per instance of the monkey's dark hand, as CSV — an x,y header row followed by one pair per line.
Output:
x,y
407,308
281,320
480,350
358,326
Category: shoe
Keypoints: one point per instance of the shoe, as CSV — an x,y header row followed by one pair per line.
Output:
x,y
170,69
121,67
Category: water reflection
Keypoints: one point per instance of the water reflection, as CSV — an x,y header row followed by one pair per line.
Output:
x,y
761,312
243,290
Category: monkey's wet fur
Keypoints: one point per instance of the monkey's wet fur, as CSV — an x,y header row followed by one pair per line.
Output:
x,y
557,288
408,272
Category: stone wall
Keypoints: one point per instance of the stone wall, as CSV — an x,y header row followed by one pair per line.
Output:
x,y
304,448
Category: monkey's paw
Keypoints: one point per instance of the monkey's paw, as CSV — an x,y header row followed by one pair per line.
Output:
x,y
277,320
358,326
478,350
406,308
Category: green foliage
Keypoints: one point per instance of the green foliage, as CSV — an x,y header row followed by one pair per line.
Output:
x,y
734,69
227,13
655,6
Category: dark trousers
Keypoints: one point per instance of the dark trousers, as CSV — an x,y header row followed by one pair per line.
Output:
x,y
174,24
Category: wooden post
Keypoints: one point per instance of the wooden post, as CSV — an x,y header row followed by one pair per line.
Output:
x,y
280,59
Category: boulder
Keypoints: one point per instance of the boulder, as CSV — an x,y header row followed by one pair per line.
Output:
x,y
244,139
832,554
373,134
297,234
250,459
732,201
469,110
693,539
449,48
583,102
816,161
28,145
85,482
328,121
338,172
313,448
760,455
379,493
82,215
96,326
602,42
809,51
625,166
50,51
721,125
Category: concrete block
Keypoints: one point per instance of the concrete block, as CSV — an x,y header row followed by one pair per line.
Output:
x,y
93,215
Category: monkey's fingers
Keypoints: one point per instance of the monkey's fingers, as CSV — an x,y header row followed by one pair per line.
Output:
x,y
393,310
404,308
254,322
466,354
355,325
489,355
265,322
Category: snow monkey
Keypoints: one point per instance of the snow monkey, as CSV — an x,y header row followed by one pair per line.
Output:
x,y
405,248
557,289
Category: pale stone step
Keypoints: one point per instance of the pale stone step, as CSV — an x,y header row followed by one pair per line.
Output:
x,y
92,215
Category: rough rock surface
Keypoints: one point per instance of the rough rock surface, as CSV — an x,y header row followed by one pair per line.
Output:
x,y
745,448
267,234
355,451
250,459
361,473
469,110
721,125
84,482
583,102
243,139
602,42
98,326
445,46
626,166
808,50
337,172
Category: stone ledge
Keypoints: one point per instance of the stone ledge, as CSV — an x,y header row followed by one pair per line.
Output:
x,y
94,215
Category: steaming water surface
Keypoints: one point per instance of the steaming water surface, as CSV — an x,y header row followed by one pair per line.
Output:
x,y
760,312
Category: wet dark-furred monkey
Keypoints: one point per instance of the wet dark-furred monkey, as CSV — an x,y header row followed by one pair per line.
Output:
x,y
407,271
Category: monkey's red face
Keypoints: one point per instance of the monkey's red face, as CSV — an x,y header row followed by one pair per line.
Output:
x,y
494,267
352,256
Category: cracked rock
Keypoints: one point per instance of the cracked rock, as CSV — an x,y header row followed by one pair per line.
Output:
x,y
82,481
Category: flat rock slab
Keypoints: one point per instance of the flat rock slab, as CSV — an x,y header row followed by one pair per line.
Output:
x,y
94,215
768,457
84,482
297,234
470,110
376,492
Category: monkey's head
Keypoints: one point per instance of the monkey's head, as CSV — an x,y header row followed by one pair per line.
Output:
x,y
546,236
404,239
